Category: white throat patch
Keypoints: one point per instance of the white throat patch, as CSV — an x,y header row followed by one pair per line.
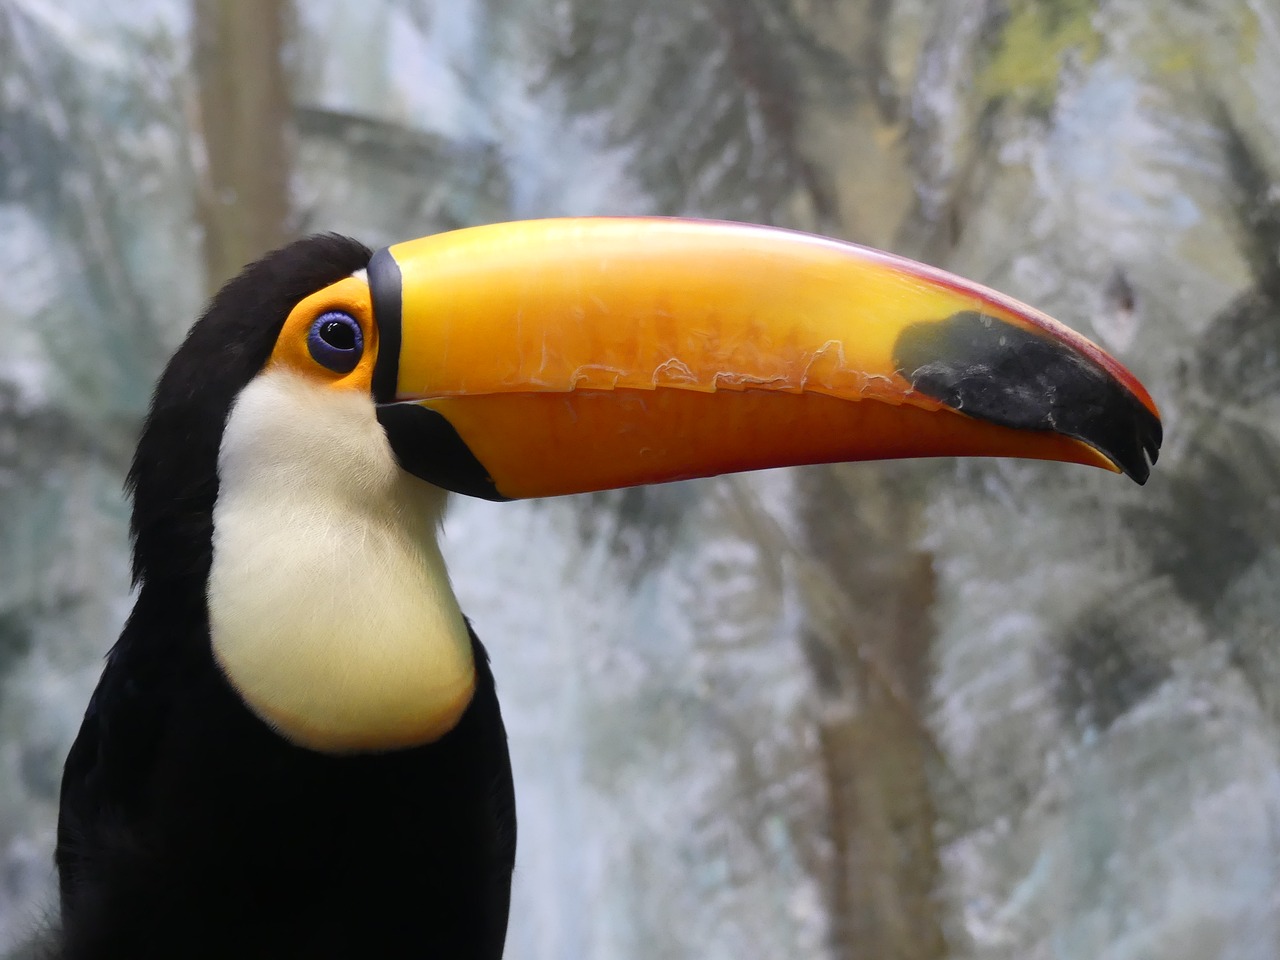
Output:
x,y
330,608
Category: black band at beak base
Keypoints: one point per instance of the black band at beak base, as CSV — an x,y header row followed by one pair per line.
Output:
x,y
385,292
426,445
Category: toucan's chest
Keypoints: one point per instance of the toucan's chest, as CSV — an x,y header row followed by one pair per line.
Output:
x,y
329,605
239,844
296,749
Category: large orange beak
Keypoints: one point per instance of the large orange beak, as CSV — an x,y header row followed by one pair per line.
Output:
x,y
559,356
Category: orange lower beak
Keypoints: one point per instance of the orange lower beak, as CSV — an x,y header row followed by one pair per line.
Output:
x,y
561,356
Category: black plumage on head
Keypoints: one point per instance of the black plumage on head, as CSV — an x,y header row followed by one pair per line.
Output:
x,y
173,479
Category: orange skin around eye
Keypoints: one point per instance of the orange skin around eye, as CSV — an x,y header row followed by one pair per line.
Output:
x,y
349,295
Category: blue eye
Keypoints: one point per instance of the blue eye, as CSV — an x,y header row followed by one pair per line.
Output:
x,y
335,341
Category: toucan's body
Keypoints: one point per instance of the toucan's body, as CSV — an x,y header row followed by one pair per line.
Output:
x,y
296,748
190,829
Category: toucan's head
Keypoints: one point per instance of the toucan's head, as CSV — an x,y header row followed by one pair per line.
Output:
x,y
295,427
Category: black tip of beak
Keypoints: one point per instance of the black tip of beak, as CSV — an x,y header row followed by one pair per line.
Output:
x,y
992,370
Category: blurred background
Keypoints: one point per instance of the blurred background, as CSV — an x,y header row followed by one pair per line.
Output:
x,y
901,711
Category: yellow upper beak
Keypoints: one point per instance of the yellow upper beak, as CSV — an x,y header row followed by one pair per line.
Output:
x,y
560,356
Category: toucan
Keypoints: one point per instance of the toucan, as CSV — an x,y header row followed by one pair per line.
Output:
x,y
295,749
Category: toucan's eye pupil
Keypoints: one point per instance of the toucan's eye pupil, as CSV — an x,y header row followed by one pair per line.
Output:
x,y
336,342
338,335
